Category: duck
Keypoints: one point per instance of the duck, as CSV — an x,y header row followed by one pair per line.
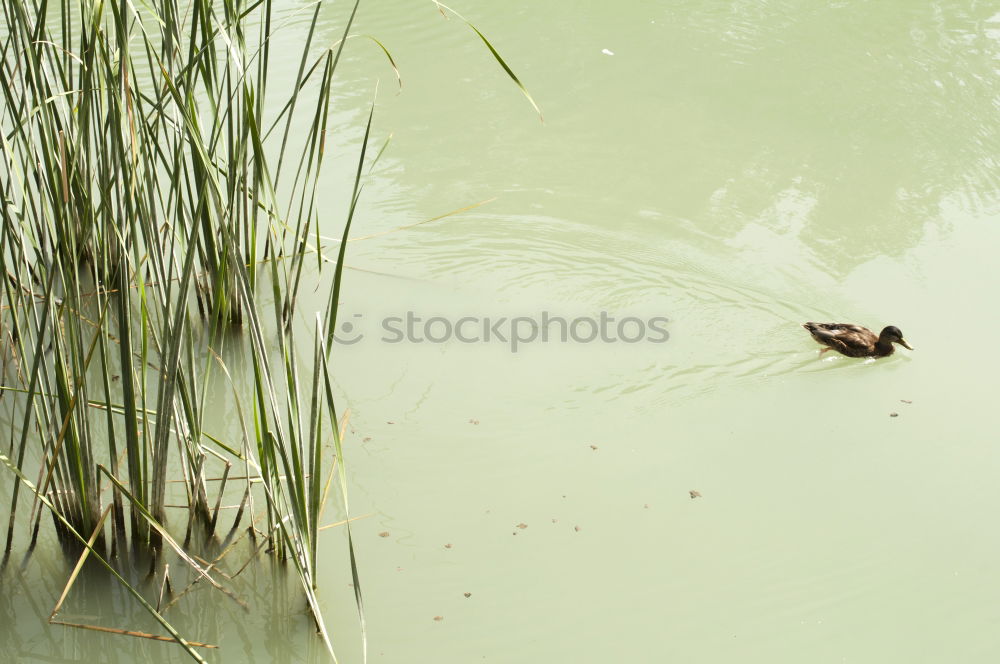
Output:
x,y
856,341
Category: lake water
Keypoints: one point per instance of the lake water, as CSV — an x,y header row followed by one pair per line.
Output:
x,y
737,168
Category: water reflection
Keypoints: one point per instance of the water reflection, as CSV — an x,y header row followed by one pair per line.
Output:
x,y
839,130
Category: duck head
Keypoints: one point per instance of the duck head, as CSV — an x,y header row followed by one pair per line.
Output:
x,y
893,335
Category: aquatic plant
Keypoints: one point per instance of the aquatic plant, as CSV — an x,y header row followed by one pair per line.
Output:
x,y
141,199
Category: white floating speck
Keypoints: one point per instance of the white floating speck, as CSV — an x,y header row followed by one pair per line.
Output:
x,y
607,52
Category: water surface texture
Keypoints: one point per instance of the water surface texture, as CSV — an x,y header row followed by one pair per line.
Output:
x,y
737,168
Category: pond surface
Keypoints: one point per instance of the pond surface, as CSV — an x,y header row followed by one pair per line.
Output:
x,y
737,168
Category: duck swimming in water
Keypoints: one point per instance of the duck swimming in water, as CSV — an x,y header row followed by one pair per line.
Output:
x,y
856,341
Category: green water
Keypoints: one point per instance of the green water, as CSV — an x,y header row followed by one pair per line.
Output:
x,y
737,168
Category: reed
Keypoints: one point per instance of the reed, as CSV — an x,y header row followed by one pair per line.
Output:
x,y
141,198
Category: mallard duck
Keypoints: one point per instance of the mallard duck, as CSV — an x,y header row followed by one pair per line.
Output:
x,y
856,341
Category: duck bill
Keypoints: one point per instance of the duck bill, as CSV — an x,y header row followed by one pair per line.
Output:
x,y
902,342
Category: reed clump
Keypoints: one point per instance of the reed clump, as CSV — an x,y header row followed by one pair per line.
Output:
x,y
148,196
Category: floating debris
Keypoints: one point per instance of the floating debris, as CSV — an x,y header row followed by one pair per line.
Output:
x,y
365,440
467,595
593,447
473,421
522,525
447,546
384,533
606,51
905,401
389,422
438,618
576,528
646,506
893,414
694,494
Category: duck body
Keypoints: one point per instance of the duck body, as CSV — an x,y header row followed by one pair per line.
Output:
x,y
856,341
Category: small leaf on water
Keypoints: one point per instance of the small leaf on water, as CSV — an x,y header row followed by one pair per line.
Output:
x,y
593,447
447,546
384,533
576,528
473,421
695,494
522,525
438,618
893,414
467,594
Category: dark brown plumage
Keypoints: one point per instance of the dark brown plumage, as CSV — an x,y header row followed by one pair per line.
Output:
x,y
856,341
